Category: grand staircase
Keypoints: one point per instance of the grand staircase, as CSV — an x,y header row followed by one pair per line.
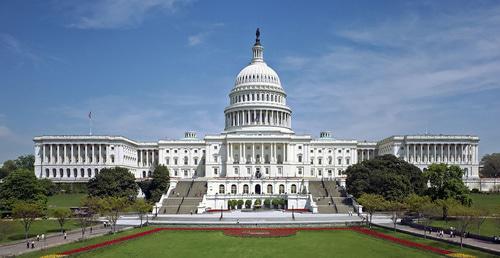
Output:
x,y
329,197
184,198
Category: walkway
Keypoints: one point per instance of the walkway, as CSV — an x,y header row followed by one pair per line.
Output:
x,y
251,218
469,242
51,240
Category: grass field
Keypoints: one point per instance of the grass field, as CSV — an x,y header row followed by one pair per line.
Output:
x,y
490,202
13,230
215,244
64,200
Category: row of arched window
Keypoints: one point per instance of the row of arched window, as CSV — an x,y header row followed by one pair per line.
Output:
x,y
257,97
71,173
269,189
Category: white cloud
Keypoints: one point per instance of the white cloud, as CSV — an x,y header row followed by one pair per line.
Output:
x,y
115,14
5,132
398,76
200,37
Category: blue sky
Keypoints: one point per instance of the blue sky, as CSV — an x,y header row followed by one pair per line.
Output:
x,y
152,69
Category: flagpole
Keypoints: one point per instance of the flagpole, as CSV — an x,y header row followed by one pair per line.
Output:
x,y
90,123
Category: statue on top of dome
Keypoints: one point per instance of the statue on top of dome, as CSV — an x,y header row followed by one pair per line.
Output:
x,y
257,37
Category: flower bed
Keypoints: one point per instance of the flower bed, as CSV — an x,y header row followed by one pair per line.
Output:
x,y
401,241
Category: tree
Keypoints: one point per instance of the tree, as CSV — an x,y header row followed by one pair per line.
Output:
x,y
26,162
62,215
154,188
240,203
465,218
491,165
248,204
111,207
445,205
429,211
142,207
397,209
372,203
386,175
416,203
267,202
116,182
27,212
445,183
482,215
49,186
7,167
89,207
21,185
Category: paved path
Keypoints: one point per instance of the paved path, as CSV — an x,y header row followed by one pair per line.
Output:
x,y
466,241
52,240
239,217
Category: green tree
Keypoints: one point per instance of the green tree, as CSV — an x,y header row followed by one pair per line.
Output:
x,y
248,204
240,203
116,182
491,165
445,205
397,209
154,188
27,212
9,166
89,207
386,175
62,215
445,183
267,202
111,207
142,207
416,203
465,218
257,203
48,185
21,185
372,203
26,162
429,211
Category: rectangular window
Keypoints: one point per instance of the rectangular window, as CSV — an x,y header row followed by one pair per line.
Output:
x,y
249,171
347,161
340,161
280,170
299,171
215,171
267,171
236,170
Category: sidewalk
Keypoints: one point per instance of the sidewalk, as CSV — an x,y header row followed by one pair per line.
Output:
x,y
468,242
51,240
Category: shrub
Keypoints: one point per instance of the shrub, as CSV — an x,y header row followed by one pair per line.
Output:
x,y
257,203
475,190
248,204
276,202
267,203
240,203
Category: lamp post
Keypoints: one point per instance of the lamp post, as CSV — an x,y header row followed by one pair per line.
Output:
x,y
221,213
293,214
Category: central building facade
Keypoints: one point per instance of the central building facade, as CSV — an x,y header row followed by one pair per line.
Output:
x,y
257,155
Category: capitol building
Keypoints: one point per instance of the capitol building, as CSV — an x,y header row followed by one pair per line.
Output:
x,y
257,154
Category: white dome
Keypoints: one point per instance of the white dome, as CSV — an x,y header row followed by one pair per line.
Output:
x,y
258,72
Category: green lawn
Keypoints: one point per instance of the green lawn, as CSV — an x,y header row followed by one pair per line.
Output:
x,y
13,230
215,244
64,200
487,201
490,227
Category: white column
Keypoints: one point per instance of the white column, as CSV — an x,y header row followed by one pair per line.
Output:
x,y
253,153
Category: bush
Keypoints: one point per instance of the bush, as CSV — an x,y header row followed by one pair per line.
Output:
x,y
267,203
257,203
276,202
248,204
240,204
475,190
